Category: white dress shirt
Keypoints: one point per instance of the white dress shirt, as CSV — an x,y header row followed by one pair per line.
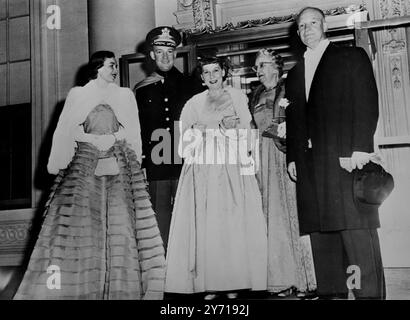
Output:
x,y
312,59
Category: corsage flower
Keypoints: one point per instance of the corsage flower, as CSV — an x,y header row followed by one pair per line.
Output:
x,y
283,103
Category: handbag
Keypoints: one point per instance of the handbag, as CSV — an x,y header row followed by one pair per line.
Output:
x,y
107,167
278,116
272,132
372,184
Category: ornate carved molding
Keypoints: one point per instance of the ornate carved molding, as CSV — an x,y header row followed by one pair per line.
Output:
x,y
394,44
391,73
272,20
396,74
184,16
394,48
204,14
184,4
15,227
14,233
230,14
394,8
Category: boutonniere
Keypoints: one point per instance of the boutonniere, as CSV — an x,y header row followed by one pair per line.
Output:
x,y
283,103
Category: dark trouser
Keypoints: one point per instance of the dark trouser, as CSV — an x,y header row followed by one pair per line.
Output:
x,y
334,252
162,194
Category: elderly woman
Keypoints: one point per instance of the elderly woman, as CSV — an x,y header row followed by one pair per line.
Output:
x,y
99,239
290,262
217,242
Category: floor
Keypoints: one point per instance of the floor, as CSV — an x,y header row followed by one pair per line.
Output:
x,y
397,285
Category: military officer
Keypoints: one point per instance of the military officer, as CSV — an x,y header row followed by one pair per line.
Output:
x,y
161,97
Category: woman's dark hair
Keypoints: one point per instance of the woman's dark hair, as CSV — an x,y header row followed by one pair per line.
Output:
x,y
224,63
97,61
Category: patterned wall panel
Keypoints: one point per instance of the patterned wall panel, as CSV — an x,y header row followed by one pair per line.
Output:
x,y
392,74
393,68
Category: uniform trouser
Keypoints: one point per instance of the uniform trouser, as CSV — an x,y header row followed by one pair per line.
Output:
x,y
162,194
348,258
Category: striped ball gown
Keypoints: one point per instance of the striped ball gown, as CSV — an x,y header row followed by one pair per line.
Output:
x,y
99,231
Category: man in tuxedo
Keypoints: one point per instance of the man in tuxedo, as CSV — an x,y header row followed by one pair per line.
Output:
x,y
161,97
333,114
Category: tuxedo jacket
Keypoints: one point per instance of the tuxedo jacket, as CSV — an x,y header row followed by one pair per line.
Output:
x,y
339,117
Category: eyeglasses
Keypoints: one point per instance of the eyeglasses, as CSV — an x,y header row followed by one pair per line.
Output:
x,y
261,65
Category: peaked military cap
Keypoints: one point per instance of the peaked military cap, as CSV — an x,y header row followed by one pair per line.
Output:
x,y
163,36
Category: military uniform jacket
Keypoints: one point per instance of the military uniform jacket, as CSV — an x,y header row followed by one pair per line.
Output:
x,y
160,104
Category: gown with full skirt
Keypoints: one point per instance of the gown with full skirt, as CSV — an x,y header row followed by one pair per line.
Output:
x,y
218,234
290,260
99,231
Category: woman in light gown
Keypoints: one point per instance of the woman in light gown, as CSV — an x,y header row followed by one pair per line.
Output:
x,y
217,240
290,261
99,238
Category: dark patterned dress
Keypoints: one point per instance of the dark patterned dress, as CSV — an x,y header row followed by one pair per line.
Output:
x,y
290,261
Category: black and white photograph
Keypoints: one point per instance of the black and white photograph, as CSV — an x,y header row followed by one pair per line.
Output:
x,y
205,155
